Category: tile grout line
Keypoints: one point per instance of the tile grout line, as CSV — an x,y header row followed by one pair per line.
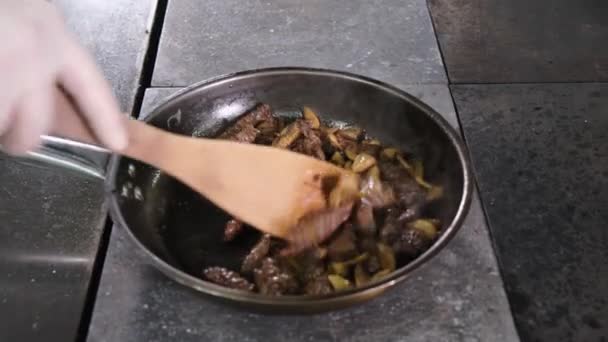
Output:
x,y
527,83
475,183
144,81
499,264
98,262
147,71
441,55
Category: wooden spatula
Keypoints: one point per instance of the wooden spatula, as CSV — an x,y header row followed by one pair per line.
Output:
x,y
269,188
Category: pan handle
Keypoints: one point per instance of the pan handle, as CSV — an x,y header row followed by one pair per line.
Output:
x,y
80,157
80,154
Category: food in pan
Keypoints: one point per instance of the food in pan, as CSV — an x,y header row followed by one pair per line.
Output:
x,y
375,223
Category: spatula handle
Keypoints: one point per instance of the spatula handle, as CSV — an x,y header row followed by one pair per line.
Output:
x,y
144,140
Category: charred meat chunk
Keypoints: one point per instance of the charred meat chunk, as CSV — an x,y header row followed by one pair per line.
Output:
x,y
269,129
227,278
309,142
310,264
232,229
408,192
317,228
274,280
257,253
391,227
372,264
364,220
411,242
370,147
244,129
342,246
246,134
318,286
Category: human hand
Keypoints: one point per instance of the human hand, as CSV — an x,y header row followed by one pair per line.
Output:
x,y
37,55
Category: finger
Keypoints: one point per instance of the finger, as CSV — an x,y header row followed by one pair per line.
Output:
x,y
94,98
32,117
6,114
21,74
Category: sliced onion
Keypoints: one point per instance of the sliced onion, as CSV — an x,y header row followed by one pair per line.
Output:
x,y
376,193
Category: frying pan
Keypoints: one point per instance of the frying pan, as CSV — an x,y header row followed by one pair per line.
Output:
x,y
181,232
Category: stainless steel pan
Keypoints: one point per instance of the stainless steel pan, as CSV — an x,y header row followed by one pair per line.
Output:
x,y
181,232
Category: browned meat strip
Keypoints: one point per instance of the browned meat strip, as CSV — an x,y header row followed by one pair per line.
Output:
x,y
244,129
371,149
408,192
247,134
372,264
257,253
316,228
342,246
273,280
364,219
309,142
228,278
269,129
232,229
318,286
411,242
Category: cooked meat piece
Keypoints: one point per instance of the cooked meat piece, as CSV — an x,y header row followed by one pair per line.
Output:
x,y
371,149
342,247
257,253
408,192
364,220
246,134
269,129
411,242
316,228
243,130
261,112
232,229
228,278
391,227
372,264
309,142
318,286
367,244
272,280
319,253
312,270
409,214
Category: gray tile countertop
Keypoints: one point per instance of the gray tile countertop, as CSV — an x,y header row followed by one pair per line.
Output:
x,y
541,156
458,296
391,40
52,222
116,33
497,41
